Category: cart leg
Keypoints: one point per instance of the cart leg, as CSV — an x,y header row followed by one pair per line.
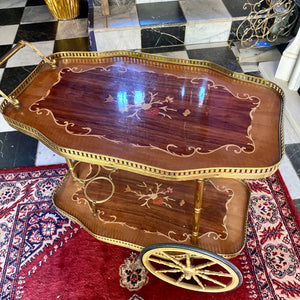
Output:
x,y
197,209
70,166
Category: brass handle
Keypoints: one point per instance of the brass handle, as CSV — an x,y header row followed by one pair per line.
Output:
x,y
14,50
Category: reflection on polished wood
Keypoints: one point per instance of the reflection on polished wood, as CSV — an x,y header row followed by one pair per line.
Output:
x,y
157,118
164,120
145,211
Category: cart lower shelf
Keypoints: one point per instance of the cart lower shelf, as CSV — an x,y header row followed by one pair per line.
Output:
x,y
136,211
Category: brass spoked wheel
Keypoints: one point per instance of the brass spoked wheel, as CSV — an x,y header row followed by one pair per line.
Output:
x,y
191,268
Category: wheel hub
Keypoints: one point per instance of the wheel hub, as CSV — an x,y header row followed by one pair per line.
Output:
x,y
191,268
189,273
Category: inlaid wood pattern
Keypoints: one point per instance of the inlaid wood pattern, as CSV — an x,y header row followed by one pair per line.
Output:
x,y
164,115
119,108
145,210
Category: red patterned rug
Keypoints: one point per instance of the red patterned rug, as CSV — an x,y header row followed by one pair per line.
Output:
x,y
43,255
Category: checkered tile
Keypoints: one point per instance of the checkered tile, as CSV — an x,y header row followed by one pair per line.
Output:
x,y
31,20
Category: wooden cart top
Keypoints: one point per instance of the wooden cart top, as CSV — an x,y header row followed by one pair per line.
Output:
x,y
171,118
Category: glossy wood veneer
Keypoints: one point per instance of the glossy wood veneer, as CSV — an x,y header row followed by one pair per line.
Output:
x,y
168,116
144,210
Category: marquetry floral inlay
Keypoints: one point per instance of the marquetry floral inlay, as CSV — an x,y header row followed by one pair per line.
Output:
x,y
156,195
178,115
150,106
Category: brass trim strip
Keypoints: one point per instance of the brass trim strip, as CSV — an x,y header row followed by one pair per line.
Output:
x,y
245,223
99,237
150,59
143,169
132,166
136,247
22,86
12,52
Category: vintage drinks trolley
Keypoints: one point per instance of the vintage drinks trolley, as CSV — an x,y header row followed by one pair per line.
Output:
x,y
158,149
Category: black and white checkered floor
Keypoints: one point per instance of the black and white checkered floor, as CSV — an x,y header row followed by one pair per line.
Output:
x,y
31,20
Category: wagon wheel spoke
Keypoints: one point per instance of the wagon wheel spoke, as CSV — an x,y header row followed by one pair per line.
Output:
x,y
165,263
169,271
177,262
212,280
199,282
180,279
188,260
209,272
205,265
191,268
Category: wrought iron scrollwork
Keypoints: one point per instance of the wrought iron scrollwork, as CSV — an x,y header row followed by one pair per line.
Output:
x,y
267,20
